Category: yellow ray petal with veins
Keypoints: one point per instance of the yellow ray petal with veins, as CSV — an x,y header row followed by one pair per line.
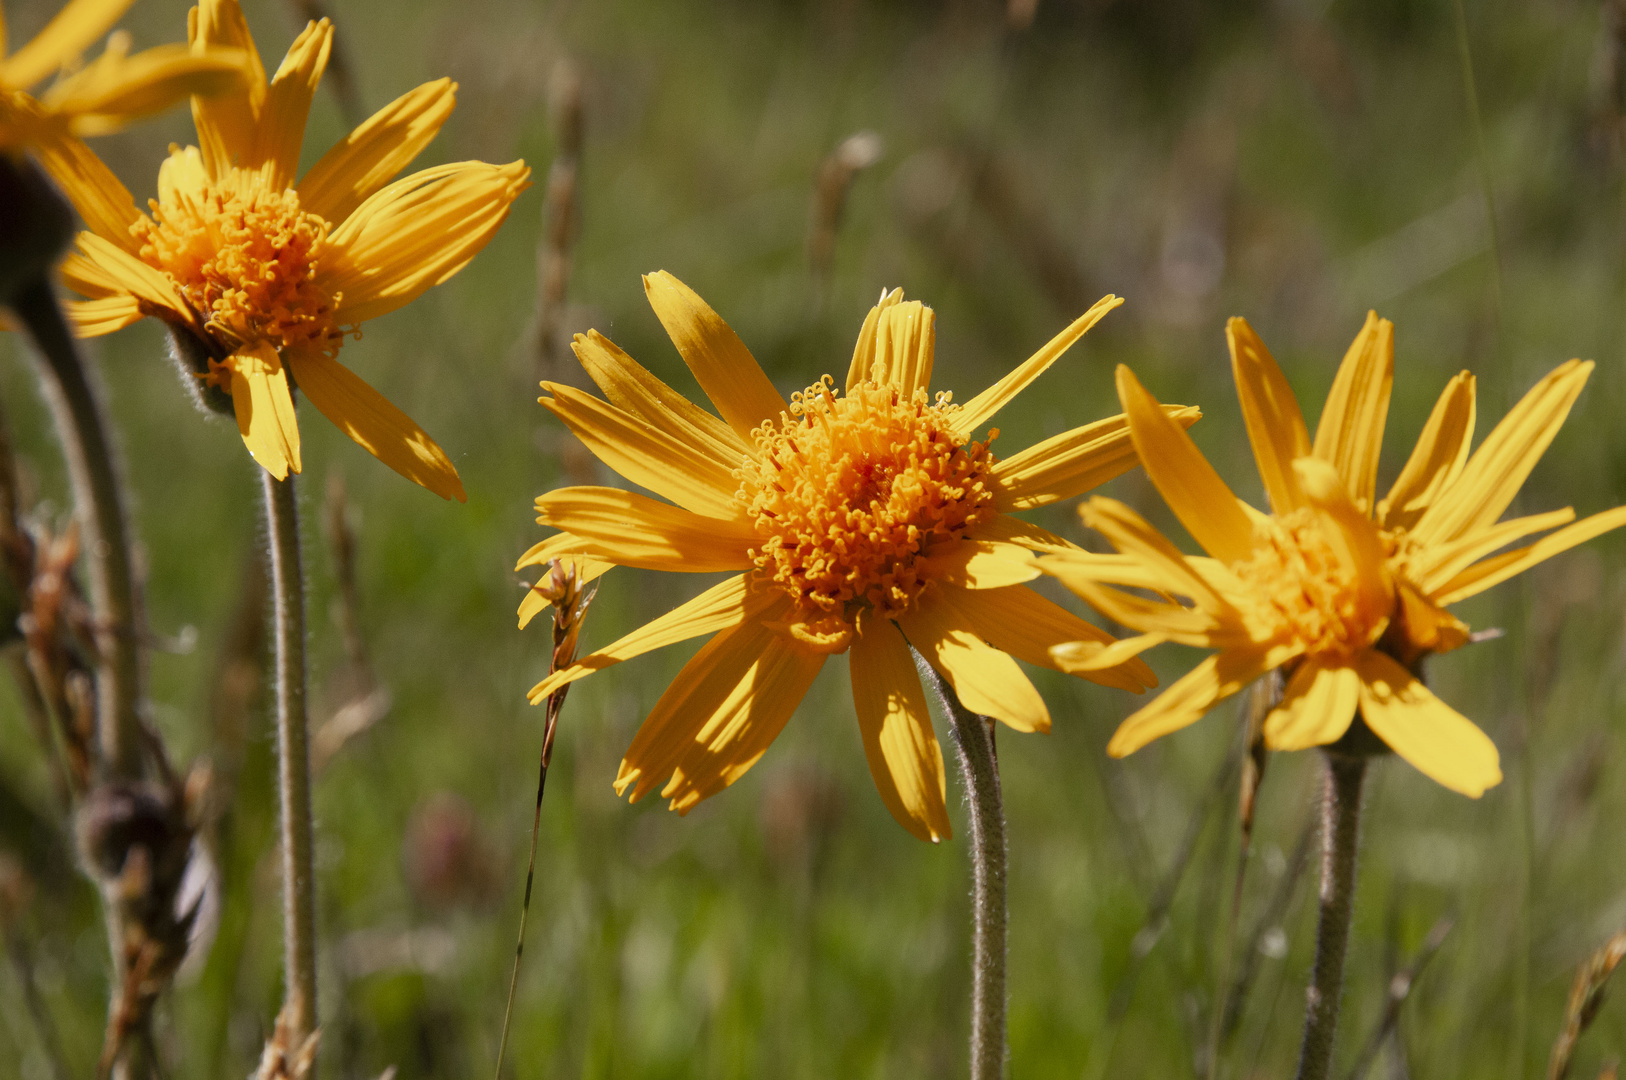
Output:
x,y
904,759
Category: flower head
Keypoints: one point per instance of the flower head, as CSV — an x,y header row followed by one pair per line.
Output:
x,y
261,277
107,93
862,517
1344,592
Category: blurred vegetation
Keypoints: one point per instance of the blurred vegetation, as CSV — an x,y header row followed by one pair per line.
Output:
x,y
1293,161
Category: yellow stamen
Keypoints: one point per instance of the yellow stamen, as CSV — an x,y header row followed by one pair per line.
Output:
x,y
849,491
244,256
1296,583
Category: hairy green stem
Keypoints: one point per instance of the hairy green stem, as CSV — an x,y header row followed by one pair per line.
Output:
x,y
293,759
979,765
82,428
1340,833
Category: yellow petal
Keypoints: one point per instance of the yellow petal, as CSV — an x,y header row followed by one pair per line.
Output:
x,y
112,268
116,89
78,25
646,455
1440,742
1494,571
1437,459
415,234
1433,566
1271,412
632,387
1317,707
864,351
1424,626
93,318
1497,470
1186,700
1135,536
722,365
1187,482
182,176
1013,530
1350,434
104,204
288,104
714,681
905,341
1187,625
742,728
986,680
376,151
1079,657
980,409
725,605
1073,462
378,427
226,123
265,409
1350,532
899,744
978,564
634,530
554,547
1019,621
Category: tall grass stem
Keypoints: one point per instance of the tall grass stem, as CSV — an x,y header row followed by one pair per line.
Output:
x,y
293,759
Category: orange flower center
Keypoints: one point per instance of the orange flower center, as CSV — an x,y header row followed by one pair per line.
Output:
x,y
848,492
244,257
1298,584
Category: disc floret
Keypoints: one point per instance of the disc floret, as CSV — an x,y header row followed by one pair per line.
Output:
x,y
849,491
244,256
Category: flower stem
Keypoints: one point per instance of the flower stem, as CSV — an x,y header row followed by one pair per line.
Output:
x,y
979,766
82,427
1340,829
294,763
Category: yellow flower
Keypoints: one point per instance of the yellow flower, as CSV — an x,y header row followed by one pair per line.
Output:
x,y
266,277
105,94
849,518
1344,592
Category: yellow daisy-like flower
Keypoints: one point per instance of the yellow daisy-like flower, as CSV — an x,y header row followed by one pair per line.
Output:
x,y
105,94
860,518
265,277
1344,592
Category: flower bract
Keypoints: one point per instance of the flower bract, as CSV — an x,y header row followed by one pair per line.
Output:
x,y
865,517
263,275
1345,592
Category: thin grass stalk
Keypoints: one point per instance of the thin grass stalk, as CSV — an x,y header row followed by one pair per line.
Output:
x,y
1257,701
293,759
1400,988
1470,89
979,766
1340,834
563,587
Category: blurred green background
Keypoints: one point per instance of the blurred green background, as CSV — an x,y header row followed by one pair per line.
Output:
x,y
1293,161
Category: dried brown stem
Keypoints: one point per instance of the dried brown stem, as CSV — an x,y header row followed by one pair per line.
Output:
x,y
1586,998
561,218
